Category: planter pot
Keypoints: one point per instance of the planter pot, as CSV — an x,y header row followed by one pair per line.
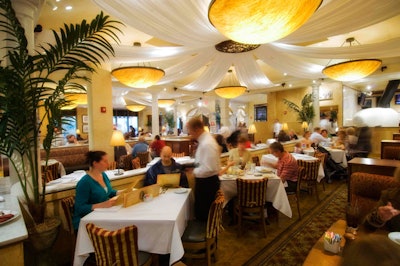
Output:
x,y
43,236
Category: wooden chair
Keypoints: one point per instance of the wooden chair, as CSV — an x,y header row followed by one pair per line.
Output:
x,y
67,205
322,157
311,174
125,161
251,201
177,155
200,238
144,158
296,194
117,247
112,165
256,160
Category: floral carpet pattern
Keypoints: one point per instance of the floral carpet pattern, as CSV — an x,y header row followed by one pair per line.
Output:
x,y
292,246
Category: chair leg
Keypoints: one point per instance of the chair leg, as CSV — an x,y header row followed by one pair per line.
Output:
x,y
262,217
298,206
208,255
323,183
316,190
240,222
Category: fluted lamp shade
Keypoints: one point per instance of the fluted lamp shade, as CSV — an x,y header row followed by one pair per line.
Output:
x,y
135,107
117,139
352,70
285,126
230,92
163,103
252,129
259,21
304,125
138,76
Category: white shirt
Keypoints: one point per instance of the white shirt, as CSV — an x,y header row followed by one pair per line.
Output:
x,y
207,157
277,127
317,138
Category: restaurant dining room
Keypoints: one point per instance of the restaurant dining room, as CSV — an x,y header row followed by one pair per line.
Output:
x,y
201,132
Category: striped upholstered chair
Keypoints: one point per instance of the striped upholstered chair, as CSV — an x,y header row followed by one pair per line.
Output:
x,y
117,247
311,175
200,238
251,200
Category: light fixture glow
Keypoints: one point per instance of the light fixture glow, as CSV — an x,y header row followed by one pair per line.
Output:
x,y
163,103
259,21
352,70
304,126
68,7
135,107
252,129
229,87
285,126
138,76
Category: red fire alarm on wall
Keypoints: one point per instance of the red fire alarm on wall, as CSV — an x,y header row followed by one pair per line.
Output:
x,y
103,109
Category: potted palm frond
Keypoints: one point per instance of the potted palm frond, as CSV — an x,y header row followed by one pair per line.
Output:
x,y
305,112
29,83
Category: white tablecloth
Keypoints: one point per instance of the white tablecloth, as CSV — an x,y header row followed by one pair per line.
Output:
x,y
339,156
272,159
160,222
275,191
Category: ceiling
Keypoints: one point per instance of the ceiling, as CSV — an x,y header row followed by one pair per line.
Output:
x,y
177,37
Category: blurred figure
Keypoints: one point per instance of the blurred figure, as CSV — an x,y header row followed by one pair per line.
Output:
x,y
286,166
156,146
232,140
277,128
166,165
283,136
293,135
240,155
71,139
58,139
221,142
305,141
316,136
140,146
340,142
132,132
207,161
327,143
298,148
364,147
372,250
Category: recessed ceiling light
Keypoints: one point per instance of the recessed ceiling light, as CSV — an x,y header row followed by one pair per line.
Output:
x,y
290,85
165,89
368,87
58,0
285,74
68,7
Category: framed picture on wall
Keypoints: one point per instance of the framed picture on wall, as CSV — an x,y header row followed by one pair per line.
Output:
x,y
85,128
260,112
85,119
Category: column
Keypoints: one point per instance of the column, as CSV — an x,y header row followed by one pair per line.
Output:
x,y
155,127
224,105
100,111
176,119
315,92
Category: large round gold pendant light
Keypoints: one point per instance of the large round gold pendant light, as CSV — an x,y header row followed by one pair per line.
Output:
x,y
138,76
260,21
352,70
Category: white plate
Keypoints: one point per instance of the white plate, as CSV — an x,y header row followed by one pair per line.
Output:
x,y
395,237
181,190
16,215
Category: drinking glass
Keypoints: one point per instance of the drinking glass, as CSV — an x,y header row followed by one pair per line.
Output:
x,y
352,219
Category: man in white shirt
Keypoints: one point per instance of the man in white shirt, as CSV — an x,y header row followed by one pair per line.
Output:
x,y
316,136
277,128
207,166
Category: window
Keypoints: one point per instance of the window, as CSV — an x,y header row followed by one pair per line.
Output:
x,y
260,112
122,119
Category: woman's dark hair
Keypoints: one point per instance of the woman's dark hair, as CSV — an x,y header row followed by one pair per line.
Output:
x,y
157,137
94,156
276,146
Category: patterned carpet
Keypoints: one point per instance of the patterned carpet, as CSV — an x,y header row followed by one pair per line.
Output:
x,y
292,246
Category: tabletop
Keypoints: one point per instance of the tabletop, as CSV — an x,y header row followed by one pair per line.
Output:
x,y
160,222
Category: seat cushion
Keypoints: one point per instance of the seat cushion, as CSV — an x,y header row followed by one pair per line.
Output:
x,y
195,231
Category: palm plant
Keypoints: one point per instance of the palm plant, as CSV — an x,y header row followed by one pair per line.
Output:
x,y
305,111
29,83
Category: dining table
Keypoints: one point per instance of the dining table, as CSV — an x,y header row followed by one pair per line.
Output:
x,y
269,158
337,155
160,222
276,193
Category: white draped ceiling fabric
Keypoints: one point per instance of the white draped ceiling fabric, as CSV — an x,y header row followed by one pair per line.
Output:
x,y
185,23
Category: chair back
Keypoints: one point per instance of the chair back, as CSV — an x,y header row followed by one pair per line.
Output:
x,y
177,155
214,221
301,172
144,158
125,161
114,247
311,169
256,160
321,156
251,193
67,205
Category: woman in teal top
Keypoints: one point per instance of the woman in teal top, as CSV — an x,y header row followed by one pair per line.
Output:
x,y
94,189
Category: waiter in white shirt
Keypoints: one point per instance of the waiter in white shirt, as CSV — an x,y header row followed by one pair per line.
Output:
x,y
207,166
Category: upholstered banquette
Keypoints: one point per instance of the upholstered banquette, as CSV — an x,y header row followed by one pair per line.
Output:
x,y
365,190
72,157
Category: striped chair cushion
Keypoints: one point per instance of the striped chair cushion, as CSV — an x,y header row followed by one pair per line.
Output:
x,y
214,221
114,247
251,193
311,168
